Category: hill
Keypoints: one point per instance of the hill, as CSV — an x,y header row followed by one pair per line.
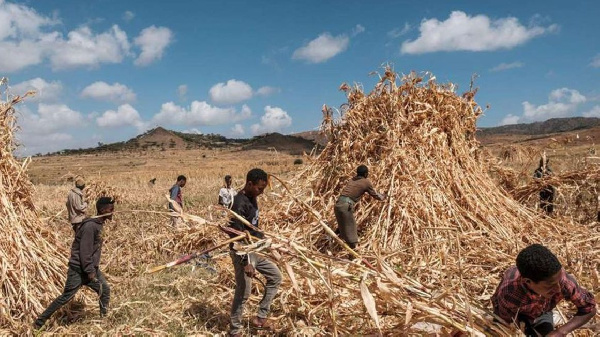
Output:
x,y
282,143
161,139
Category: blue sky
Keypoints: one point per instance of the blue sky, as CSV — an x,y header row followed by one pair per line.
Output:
x,y
108,70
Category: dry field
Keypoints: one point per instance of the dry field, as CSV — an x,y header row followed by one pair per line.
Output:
x,y
430,257
195,300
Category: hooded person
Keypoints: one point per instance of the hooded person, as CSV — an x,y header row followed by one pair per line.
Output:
x,y
76,206
84,262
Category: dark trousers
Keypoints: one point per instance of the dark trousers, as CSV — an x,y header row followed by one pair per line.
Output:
x,y
547,200
75,279
344,214
541,326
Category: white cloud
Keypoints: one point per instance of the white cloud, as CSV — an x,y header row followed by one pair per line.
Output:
x,y
182,91
45,91
83,48
507,66
128,16
27,39
267,91
275,119
397,32
238,130
510,119
193,131
21,21
125,115
321,49
231,92
357,30
199,114
562,102
153,41
472,33
596,61
50,118
595,112
102,91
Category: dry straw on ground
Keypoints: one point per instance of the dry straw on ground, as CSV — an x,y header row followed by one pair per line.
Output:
x,y
30,258
442,240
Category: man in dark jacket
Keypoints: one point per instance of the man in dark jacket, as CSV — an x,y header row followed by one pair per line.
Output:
x,y
244,204
83,264
344,207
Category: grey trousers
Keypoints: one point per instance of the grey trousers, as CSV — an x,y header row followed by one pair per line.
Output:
x,y
75,279
243,286
344,214
541,326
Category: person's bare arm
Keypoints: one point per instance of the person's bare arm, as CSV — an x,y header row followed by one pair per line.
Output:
x,y
573,324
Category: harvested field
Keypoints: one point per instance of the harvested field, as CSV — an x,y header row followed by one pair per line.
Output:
x,y
429,260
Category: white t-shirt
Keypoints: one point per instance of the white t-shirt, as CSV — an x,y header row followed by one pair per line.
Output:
x,y
227,195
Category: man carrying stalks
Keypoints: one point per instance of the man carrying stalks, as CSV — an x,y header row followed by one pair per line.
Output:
x,y
75,205
344,207
245,266
84,262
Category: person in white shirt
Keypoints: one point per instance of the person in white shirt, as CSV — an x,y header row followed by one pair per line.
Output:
x,y
226,193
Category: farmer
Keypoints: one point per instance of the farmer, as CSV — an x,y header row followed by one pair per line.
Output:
x,y
83,264
344,207
547,193
530,290
75,205
245,204
176,195
226,193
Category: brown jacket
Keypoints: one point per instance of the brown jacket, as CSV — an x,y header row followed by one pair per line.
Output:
x,y
357,187
76,206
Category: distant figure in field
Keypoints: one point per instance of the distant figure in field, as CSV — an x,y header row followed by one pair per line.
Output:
x,y
84,262
226,193
344,207
245,266
75,205
176,195
547,193
530,291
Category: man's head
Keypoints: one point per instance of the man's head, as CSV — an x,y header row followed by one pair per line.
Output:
x,y
80,183
181,180
256,182
540,269
362,171
105,205
228,181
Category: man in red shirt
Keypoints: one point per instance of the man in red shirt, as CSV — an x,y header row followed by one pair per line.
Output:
x,y
530,291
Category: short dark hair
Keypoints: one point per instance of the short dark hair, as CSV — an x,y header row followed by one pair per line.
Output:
x,y
227,177
181,177
537,263
103,202
362,171
256,175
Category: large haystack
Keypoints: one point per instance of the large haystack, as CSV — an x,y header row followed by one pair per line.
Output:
x,y
31,262
448,231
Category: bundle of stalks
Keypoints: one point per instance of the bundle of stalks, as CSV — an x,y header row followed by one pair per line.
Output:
x,y
436,248
31,260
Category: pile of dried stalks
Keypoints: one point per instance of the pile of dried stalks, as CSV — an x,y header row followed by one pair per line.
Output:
x,y
434,251
31,260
